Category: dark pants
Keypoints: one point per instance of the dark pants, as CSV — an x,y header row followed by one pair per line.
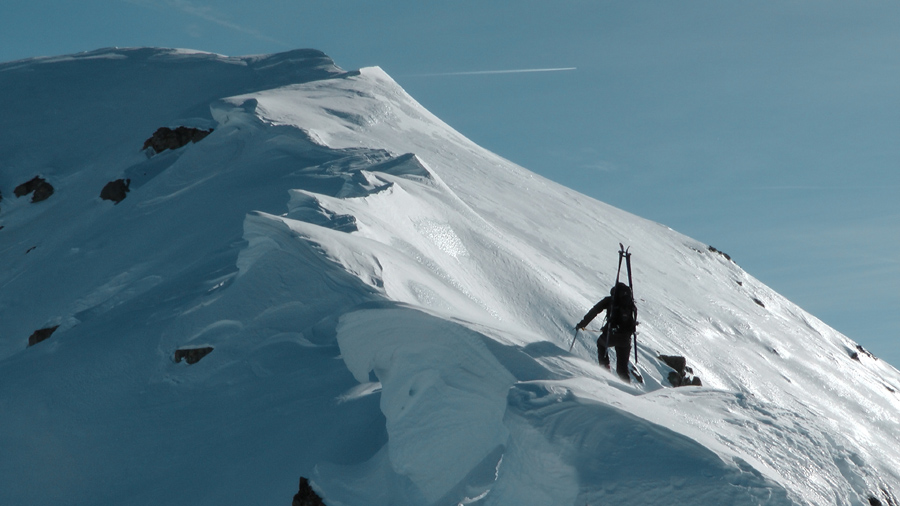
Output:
x,y
622,353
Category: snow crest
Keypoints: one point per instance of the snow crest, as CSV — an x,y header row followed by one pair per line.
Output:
x,y
387,308
443,394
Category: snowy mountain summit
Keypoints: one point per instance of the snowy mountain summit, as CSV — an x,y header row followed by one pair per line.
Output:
x,y
295,270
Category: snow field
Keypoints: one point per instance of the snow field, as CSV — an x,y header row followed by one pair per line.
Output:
x,y
390,308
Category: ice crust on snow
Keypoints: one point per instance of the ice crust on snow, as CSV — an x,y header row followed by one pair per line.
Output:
x,y
390,307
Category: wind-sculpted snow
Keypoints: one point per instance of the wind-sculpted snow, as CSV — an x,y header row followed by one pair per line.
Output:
x,y
385,308
443,395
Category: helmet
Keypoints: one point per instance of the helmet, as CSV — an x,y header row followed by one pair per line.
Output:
x,y
620,289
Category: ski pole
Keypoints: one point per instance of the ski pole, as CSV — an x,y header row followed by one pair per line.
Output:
x,y
574,338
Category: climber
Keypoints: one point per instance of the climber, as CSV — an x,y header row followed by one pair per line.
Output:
x,y
621,320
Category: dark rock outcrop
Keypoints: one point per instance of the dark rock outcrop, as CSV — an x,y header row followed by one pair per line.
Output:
x,y
37,186
306,496
41,334
677,363
726,255
165,138
682,374
889,499
860,350
26,187
192,355
115,190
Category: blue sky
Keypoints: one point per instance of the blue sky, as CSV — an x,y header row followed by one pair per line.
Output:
x,y
769,129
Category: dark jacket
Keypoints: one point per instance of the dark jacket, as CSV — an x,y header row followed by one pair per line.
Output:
x,y
601,306
619,338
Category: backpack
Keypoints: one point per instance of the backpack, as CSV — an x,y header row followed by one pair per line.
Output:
x,y
622,317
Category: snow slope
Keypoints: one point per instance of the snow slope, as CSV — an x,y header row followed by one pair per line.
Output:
x,y
389,306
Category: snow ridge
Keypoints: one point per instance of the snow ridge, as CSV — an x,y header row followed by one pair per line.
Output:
x,y
389,309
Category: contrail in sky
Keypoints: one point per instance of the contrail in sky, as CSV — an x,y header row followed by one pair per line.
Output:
x,y
815,187
207,14
489,72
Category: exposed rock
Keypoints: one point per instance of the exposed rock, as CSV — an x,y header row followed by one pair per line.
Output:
x,y
759,302
635,374
192,355
682,374
40,188
888,498
677,363
26,187
855,355
865,352
40,335
306,496
726,255
115,190
42,192
674,379
165,138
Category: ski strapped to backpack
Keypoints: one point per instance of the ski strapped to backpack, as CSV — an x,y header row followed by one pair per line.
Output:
x,y
624,254
623,251
615,296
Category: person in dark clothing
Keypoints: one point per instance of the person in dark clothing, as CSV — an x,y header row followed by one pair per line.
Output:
x,y
621,319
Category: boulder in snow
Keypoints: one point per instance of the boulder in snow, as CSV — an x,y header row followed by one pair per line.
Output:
x,y
41,334
166,138
192,355
306,496
682,374
860,350
37,186
115,190
726,255
889,499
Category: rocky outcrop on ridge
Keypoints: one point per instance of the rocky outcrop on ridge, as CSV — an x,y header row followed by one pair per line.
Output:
x,y
682,375
306,496
192,355
166,138
115,190
37,186
41,335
